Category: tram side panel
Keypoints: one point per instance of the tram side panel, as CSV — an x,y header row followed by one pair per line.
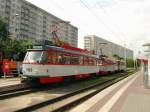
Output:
x,y
33,70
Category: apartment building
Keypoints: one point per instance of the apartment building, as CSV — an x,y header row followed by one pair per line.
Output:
x,y
104,47
26,20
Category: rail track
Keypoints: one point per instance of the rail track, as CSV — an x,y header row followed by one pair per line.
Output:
x,y
23,89
12,88
15,90
66,101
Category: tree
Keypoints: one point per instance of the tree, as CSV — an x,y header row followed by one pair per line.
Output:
x,y
3,29
15,47
3,34
10,47
130,63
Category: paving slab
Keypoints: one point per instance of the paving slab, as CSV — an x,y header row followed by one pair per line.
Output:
x,y
128,95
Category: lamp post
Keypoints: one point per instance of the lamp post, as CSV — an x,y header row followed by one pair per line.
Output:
x,y
148,45
147,69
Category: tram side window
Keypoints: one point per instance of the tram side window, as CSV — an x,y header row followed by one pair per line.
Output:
x,y
95,61
45,57
54,58
81,61
91,61
86,61
57,57
74,60
66,59
60,61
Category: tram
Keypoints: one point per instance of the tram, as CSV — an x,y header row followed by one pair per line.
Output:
x,y
49,64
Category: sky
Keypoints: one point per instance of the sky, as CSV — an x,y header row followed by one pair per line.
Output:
x,y
124,22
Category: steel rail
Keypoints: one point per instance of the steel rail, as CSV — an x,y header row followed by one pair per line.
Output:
x,y
103,85
23,89
81,99
12,88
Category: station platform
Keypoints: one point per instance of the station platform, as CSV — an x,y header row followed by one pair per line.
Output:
x,y
128,95
9,81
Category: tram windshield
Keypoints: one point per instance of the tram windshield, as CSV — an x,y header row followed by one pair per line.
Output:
x,y
36,57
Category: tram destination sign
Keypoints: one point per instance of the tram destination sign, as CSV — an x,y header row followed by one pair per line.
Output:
x,y
38,47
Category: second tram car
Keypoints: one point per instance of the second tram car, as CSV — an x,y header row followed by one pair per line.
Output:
x,y
48,64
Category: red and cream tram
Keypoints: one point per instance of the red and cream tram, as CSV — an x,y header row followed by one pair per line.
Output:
x,y
49,64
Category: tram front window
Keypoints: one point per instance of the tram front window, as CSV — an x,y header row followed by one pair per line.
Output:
x,y
36,57
33,57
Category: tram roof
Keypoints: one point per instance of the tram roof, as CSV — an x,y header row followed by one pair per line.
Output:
x,y
47,47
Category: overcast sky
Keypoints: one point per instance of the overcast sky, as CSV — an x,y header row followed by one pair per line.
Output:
x,y
120,21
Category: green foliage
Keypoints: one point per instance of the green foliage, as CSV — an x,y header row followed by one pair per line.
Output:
x,y
130,63
9,47
3,34
3,29
15,46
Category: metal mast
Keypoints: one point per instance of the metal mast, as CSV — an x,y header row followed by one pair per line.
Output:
x,y
148,45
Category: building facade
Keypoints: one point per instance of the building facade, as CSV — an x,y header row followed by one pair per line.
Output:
x,y
103,47
26,20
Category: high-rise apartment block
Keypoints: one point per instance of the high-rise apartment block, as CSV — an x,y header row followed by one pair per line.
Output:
x,y
103,47
26,20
